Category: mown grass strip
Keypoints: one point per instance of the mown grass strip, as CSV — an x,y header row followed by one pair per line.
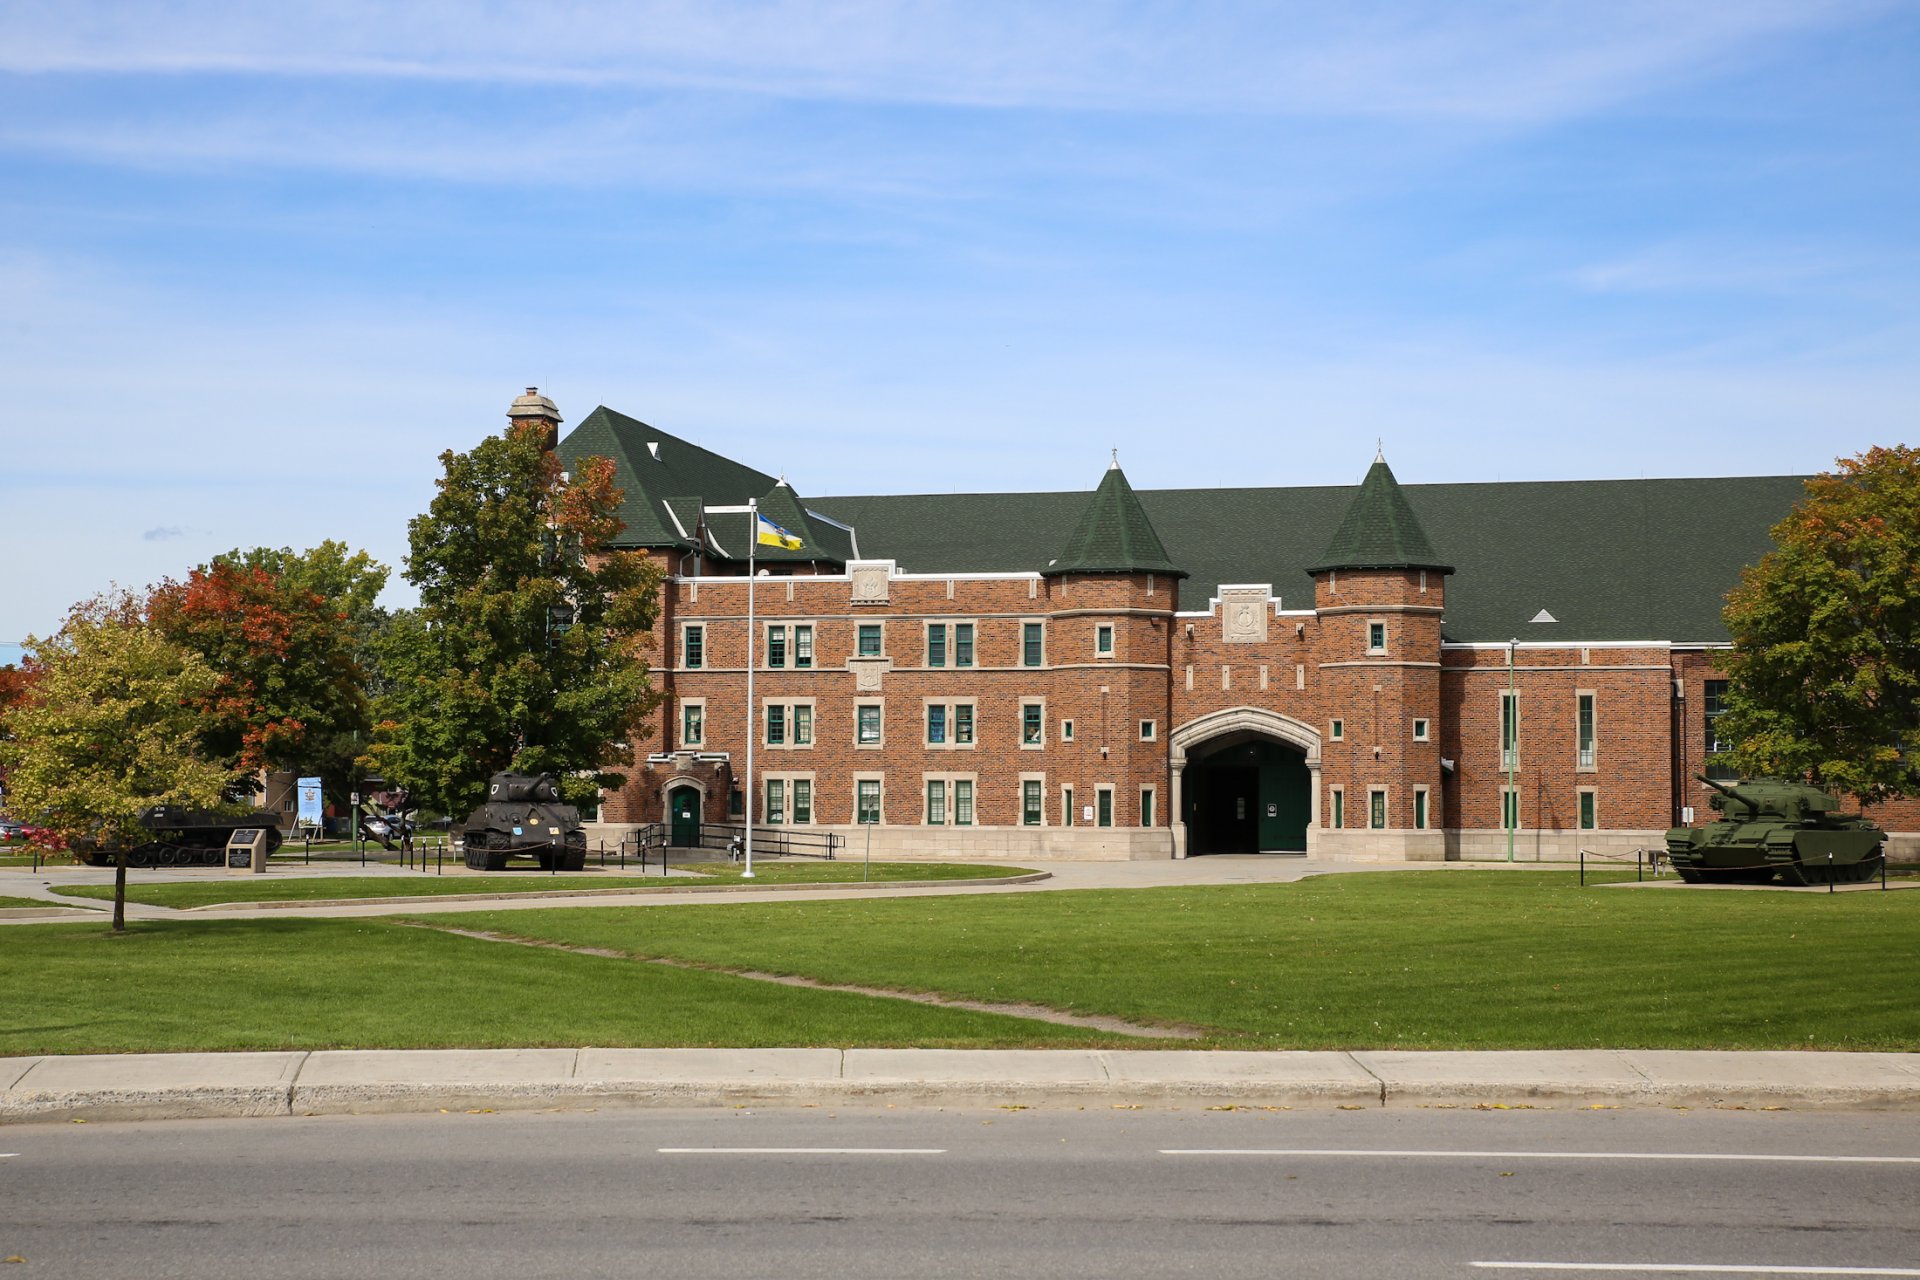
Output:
x,y
189,985
219,888
1416,960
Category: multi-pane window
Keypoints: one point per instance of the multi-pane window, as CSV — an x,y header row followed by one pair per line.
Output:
x,y
867,801
803,800
1588,818
1420,810
1032,724
1103,801
1377,810
776,800
1033,649
789,725
949,724
693,650
936,725
1339,807
803,725
1103,640
963,802
867,719
1584,717
1509,731
963,644
777,646
803,645
937,644
868,644
1032,801
1712,704
693,724
1376,637
963,722
1146,806
936,801
776,726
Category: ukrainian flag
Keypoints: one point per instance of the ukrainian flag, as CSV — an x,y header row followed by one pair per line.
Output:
x,y
772,535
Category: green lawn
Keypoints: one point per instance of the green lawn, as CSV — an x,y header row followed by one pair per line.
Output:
x,y
181,985
200,893
1428,960
10,902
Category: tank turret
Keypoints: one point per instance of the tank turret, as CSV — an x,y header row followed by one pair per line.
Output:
x,y
1776,827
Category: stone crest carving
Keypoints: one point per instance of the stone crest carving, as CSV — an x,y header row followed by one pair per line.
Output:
x,y
870,581
1243,614
868,672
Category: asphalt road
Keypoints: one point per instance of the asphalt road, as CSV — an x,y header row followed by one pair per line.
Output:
x,y
1054,1193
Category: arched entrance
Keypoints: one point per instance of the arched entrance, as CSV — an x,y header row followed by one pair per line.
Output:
x,y
1245,781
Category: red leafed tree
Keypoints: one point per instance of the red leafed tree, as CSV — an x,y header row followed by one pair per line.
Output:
x,y
15,684
290,694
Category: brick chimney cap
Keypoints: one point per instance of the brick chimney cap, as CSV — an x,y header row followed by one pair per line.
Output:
x,y
534,405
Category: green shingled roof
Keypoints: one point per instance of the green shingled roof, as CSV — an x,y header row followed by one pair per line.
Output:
x,y
1114,535
1611,559
1379,530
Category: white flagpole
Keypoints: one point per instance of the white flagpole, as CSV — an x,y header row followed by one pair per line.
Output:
x,y
753,543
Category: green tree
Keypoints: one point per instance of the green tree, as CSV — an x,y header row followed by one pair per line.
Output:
x,y
110,727
528,649
1824,676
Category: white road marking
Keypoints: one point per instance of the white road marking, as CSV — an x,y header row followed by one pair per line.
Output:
x,y
802,1151
8,1155
1697,1268
1547,1155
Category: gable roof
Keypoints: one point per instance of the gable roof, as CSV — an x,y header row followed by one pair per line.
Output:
x,y
1114,535
1611,559
1379,530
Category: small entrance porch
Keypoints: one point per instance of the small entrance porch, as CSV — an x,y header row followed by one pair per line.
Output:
x,y
1245,780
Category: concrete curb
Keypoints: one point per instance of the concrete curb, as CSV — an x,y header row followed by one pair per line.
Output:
x,y
357,1082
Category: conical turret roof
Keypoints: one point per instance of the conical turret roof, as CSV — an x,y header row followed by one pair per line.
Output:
x,y
1379,530
1114,535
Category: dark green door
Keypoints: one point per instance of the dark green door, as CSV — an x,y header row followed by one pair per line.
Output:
x,y
1284,800
684,804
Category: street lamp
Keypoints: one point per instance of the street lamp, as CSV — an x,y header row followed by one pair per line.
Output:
x,y
1510,741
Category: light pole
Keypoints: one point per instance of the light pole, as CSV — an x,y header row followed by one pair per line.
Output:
x,y
1510,740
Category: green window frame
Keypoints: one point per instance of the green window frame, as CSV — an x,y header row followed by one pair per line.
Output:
x,y
963,644
802,800
776,809
936,644
803,646
1066,807
868,640
1032,802
1103,640
867,802
1583,730
1033,644
1146,806
936,802
1033,724
693,724
1339,798
1103,807
1376,637
1420,811
1377,810
776,725
936,725
1589,811
1509,809
869,724
963,723
962,802
1509,730
693,650
802,724
1337,731
777,646
1066,731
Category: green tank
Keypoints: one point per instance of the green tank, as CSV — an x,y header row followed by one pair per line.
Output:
x,y
1772,827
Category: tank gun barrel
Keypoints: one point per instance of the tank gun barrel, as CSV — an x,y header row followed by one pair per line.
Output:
x,y
1721,787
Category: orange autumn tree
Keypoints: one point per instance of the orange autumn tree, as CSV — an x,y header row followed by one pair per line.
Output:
x,y
290,692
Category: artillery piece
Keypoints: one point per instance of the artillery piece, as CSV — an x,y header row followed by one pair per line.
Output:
x,y
1772,826
523,816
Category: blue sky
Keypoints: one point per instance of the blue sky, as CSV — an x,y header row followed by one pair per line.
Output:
x,y
263,263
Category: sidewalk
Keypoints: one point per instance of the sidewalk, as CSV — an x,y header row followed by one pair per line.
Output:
x,y
205,1085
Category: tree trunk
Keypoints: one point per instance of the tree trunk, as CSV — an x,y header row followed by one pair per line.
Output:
x,y
120,892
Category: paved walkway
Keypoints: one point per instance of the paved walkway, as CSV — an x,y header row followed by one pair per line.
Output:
x,y
202,1085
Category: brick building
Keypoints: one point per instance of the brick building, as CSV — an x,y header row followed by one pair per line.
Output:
x,y
1384,672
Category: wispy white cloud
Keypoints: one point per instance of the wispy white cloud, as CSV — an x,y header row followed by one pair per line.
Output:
x,y
1501,60
1746,268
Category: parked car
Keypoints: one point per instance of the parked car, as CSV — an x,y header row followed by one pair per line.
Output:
x,y
11,830
390,826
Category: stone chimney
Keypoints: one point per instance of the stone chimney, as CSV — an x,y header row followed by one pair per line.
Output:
x,y
535,409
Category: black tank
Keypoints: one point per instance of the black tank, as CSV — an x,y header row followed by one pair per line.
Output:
x,y
523,817
181,838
